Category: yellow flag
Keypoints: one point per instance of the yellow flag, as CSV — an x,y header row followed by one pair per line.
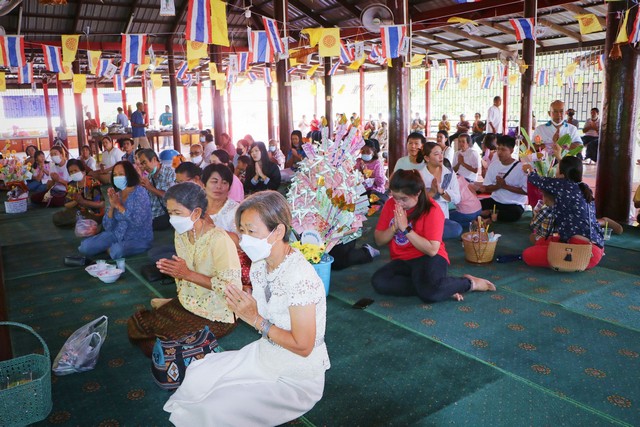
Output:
x,y
79,83
423,82
66,73
221,85
145,64
329,43
219,33
559,80
292,61
464,83
389,63
623,37
477,71
342,88
355,65
416,59
156,80
94,57
192,63
312,70
513,79
3,82
459,20
159,60
196,50
313,89
69,47
579,83
213,70
314,35
570,69
588,23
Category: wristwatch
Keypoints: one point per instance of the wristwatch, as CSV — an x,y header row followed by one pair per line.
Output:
x,y
407,230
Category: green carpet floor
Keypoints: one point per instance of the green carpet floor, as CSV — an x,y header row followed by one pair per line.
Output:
x,y
546,349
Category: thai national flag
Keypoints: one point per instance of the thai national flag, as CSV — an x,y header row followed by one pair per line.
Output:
x,y
570,82
334,68
273,34
52,58
392,36
634,37
267,77
199,21
487,81
260,48
243,62
543,77
292,70
187,80
345,54
133,48
452,67
127,70
103,64
118,82
252,76
524,28
442,84
182,71
25,74
13,51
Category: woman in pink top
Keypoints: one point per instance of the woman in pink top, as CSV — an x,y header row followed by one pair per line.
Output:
x,y
236,193
371,167
469,207
489,148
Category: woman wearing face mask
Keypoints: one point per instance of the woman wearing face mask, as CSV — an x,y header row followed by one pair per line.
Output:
x,y
127,221
373,170
281,376
275,154
262,174
236,192
241,150
41,174
57,186
206,265
83,197
412,226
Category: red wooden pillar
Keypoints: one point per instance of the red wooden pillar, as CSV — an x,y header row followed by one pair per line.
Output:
x,y
362,97
427,103
145,105
47,110
174,96
199,101
270,129
77,100
185,99
63,120
96,105
526,82
328,97
123,92
505,100
219,125
285,113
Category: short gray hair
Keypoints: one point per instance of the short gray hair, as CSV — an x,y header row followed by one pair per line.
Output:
x,y
189,195
272,208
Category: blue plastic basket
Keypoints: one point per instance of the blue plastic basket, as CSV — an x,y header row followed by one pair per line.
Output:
x,y
323,268
31,402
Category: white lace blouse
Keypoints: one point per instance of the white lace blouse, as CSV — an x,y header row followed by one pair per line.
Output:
x,y
293,283
226,217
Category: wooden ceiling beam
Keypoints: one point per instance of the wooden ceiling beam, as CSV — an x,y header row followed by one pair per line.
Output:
x,y
442,40
76,19
560,29
476,38
504,29
430,48
310,13
578,10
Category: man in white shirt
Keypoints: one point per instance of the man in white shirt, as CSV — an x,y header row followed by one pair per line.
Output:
x,y
466,162
494,117
551,131
591,135
506,182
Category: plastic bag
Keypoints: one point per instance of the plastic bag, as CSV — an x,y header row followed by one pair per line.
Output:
x,y
86,227
80,352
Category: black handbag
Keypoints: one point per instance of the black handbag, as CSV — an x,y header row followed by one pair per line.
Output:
x,y
170,359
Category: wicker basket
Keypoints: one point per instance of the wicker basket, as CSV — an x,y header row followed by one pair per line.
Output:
x,y
18,205
567,258
31,402
477,248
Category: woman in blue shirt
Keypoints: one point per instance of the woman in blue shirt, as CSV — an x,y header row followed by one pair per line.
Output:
x,y
127,222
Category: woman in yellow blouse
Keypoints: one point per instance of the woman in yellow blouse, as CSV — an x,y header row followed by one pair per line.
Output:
x,y
206,264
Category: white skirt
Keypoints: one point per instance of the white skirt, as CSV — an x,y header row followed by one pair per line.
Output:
x,y
234,388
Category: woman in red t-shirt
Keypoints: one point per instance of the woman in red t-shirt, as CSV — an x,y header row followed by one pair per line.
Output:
x,y
412,224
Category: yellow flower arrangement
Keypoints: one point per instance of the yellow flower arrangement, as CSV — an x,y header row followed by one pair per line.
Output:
x,y
312,253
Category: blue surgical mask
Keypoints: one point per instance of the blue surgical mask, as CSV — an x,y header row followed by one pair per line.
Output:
x,y
120,182
153,172
367,157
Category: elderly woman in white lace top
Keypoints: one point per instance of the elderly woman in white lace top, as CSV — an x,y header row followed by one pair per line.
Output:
x,y
280,376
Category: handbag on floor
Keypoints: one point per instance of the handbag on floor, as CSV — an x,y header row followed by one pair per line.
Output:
x,y
567,257
81,350
170,359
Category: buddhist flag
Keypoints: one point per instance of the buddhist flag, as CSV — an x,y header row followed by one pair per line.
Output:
x,y
341,90
464,83
156,80
213,70
329,43
623,36
65,73
312,70
588,23
146,64
570,70
477,71
423,82
314,35
579,83
219,32
3,82
314,88
70,47
355,65
417,59
513,79
559,80
192,63
79,83
94,60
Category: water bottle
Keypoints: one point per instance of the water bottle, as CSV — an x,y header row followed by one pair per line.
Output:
x,y
508,258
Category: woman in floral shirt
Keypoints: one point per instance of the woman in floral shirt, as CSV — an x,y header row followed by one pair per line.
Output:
x,y
83,196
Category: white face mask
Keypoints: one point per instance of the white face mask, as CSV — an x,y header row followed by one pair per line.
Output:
x,y
182,224
202,139
256,249
196,159
272,148
367,157
77,176
56,159
558,123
